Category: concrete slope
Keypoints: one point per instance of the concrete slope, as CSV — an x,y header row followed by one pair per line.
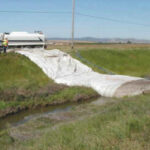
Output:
x,y
62,68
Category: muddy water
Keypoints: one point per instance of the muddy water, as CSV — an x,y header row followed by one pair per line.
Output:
x,y
27,115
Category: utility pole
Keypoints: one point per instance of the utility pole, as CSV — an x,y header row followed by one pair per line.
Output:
x,y
73,18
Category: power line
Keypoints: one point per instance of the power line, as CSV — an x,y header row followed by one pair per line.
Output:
x,y
34,12
77,13
112,20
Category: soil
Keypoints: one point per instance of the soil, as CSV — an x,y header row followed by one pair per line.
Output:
x,y
134,88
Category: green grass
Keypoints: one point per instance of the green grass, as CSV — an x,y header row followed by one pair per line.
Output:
x,y
69,94
127,62
123,124
116,126
24,85
18,71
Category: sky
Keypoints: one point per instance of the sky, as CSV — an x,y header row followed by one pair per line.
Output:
x,y
59,25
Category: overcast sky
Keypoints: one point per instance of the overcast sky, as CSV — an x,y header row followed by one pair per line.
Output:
x,y
59,25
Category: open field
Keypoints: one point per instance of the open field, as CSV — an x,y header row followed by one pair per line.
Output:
x,y
99,46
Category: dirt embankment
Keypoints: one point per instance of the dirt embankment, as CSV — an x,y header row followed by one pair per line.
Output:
x,y
31,99
14,110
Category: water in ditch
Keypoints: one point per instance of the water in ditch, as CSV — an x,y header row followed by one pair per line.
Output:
x,y
27,115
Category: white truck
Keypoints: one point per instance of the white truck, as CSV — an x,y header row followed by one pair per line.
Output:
x,y
23,39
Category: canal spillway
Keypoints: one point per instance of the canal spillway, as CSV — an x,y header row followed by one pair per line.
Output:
x,y
64,69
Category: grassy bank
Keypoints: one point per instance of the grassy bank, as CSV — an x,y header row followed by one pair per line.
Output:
x,y
117,125
23,85
135,62
18,71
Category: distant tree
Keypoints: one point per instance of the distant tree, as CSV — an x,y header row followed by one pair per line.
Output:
x,y
129,42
